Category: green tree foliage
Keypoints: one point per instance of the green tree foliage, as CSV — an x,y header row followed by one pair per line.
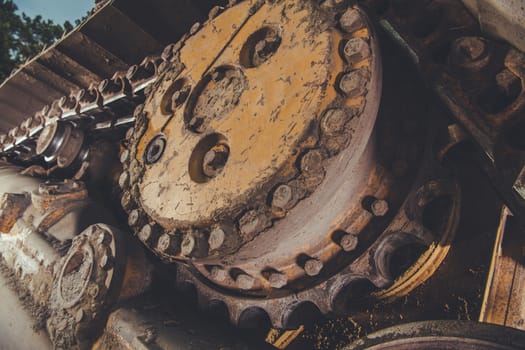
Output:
x,y
22,37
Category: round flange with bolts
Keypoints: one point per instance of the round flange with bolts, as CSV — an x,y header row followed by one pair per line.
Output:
x,y
263,186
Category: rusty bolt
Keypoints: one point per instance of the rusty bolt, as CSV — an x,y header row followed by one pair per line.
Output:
x,y
216,239
195,28
194,244
123,180
124,156
252,223
245,281
129,133
283,197
126,201
145,233
379,207
313,267
214,12
168,244
334,121
79,316
215,160
135,218
188,245
277,280
179,97
356,50
312,162
353,84
469,52
351,21
218,274
349,242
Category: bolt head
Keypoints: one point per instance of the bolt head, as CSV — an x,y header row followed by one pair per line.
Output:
x,y
188,245
245,282
356,50
124,156
218,274
282,197
353,84
123,180
313,267
349,242
216,239
277,280
351,21
334,121
379,207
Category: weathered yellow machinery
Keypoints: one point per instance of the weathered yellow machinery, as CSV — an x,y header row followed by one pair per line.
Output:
x,y
295,167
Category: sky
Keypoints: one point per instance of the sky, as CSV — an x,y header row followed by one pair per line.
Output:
x,y
57,10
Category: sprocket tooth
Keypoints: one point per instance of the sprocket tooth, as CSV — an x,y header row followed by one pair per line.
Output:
x,y
218,309
254,317
300,313
346,289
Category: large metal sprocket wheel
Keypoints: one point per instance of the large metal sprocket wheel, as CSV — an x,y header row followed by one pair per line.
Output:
x,y
254,162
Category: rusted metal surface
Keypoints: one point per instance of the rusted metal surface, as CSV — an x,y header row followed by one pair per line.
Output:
x,y
443,335
70,295
479,80
253,218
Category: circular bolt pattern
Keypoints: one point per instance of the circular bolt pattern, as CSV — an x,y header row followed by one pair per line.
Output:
x,y
313,267
155,149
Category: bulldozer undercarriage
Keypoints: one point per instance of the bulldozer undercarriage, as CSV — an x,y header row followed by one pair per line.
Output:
x,y
313,171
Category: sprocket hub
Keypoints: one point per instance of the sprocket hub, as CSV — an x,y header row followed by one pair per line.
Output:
x,y
254,161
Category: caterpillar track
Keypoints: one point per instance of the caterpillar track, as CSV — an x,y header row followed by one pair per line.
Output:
x,y
274,162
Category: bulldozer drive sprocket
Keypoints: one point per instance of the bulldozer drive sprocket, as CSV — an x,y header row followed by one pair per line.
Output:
x,y
259,166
